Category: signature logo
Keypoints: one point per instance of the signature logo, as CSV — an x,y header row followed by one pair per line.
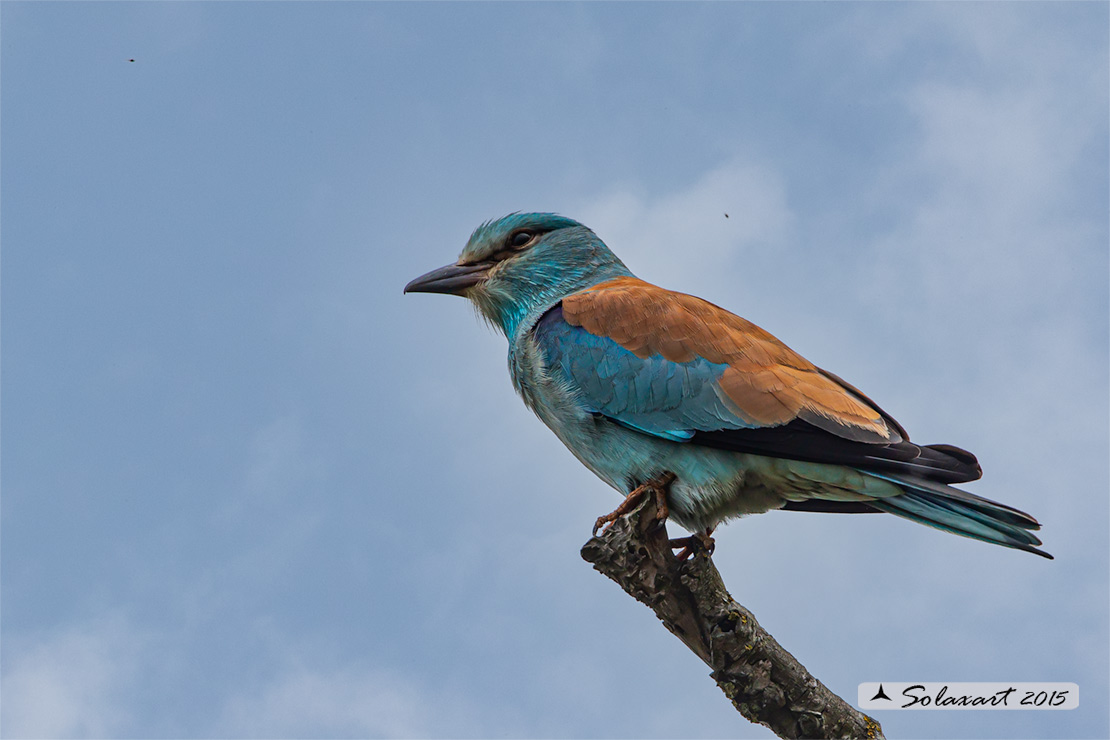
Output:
x,y
951,695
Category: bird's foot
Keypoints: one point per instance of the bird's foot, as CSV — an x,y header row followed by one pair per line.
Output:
x,y
702,541
656,486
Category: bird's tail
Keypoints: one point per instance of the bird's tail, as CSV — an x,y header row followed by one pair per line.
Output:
x,y
959,512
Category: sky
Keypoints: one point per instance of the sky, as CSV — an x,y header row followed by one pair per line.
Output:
x,y
249,489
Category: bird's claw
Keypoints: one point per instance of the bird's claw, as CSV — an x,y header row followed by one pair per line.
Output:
x,y
656,486
700,541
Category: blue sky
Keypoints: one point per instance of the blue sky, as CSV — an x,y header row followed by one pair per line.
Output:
x,y
251,490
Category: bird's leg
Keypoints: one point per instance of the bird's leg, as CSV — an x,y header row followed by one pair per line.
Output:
x,y
690,545
656,486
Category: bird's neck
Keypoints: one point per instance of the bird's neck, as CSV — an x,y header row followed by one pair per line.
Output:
x,y
516,315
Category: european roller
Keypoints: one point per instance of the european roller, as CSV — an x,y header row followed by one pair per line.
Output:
x,y
649,387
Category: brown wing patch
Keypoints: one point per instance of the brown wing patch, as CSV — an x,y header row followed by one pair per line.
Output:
x,y
767,382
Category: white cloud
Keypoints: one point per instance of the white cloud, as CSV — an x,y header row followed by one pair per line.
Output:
x,y
85,680
996,166
344,702
683,239
996,267
72,683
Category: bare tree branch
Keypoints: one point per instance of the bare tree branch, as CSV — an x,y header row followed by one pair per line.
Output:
x,y
763,681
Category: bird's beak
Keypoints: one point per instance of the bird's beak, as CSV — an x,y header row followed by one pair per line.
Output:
x,y
453,279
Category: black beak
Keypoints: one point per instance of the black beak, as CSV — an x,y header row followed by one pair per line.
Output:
x,y
452,279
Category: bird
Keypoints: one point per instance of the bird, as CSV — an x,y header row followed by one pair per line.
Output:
x,y
656,390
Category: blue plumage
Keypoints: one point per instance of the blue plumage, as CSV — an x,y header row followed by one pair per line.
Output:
x,y
637,380
654,395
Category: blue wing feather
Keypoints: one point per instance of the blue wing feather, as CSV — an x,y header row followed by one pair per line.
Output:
x,y
654,395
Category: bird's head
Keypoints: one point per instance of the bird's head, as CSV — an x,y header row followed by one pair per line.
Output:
x,y
518,266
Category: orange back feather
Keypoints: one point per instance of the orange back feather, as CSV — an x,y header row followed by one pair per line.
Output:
x,y
768,383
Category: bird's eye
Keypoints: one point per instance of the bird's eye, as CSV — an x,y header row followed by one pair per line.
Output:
x,y
521,239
